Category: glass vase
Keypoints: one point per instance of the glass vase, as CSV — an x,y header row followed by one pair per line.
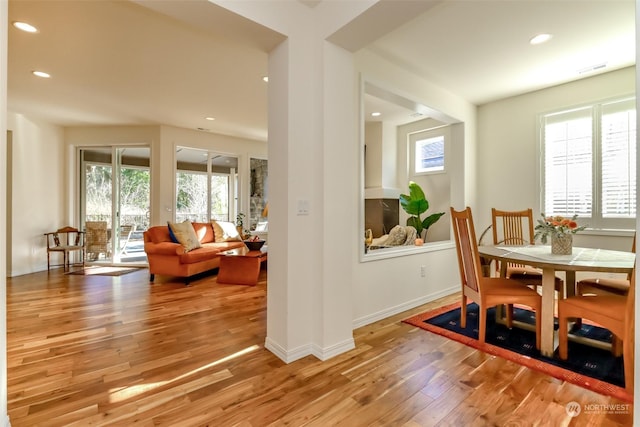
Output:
x,y
561,244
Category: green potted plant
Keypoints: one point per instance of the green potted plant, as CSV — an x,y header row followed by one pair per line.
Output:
x,y
416,204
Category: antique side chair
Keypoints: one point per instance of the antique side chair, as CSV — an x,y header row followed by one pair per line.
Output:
x,y
65,240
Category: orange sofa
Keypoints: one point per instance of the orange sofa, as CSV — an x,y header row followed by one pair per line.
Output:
x,y
169,258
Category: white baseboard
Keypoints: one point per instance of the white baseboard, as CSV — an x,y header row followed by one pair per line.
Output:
x,y
334,350
392,311
288,356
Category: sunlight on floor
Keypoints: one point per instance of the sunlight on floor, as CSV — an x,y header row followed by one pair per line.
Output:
x,y
121,394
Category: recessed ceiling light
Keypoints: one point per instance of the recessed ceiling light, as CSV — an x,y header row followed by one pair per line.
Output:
x,y
376,114
25,27
41,74
210,118
265,79
540,38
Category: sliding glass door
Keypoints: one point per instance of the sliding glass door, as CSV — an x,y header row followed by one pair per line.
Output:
x,y
115,201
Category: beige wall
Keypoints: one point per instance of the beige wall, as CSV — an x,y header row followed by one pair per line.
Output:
x,y
508,147
437,187
39,200
389,285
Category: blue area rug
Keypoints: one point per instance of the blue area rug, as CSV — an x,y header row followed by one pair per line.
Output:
x,y
587,366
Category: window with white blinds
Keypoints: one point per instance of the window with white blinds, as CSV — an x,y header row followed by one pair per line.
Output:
x,y
618,164
589,163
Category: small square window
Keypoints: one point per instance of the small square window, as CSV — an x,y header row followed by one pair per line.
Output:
x,y
429,155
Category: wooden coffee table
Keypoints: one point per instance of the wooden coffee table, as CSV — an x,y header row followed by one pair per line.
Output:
x,y
241,266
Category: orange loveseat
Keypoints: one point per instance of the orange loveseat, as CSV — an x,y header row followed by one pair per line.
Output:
x,y
170,258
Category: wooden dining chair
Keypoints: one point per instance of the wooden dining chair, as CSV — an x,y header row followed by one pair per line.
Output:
x,y
486,291
515,228
613,312
604,285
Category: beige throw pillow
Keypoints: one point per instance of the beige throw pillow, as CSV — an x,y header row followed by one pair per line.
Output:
x,y
186,235
225,231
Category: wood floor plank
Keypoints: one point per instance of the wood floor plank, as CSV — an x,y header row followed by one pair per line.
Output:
x,y
119,351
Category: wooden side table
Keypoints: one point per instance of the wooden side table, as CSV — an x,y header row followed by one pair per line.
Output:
x,y
240,266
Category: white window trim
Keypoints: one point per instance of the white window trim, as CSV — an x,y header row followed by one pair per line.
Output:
x,y
594,224
422,134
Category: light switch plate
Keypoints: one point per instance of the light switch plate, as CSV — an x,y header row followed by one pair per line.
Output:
x,y
303,207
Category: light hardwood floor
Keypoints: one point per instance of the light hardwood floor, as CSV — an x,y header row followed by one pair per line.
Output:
x,y
96,350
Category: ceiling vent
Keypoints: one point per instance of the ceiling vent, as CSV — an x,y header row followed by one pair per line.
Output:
x,y
592,68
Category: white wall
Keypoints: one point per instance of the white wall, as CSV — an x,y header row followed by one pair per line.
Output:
x,y
373,140
38,192
436,187
508,147
383,287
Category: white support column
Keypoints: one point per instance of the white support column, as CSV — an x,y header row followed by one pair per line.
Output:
x,y
312,134
314,166
312,208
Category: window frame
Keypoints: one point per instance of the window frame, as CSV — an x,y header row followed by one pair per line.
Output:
x,y
596,221
208,173
426,134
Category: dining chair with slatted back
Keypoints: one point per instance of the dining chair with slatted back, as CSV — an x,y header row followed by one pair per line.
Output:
x,y
515,228
605,285
486,291
613,312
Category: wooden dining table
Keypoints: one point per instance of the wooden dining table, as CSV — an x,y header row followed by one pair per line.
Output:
x,y
540,256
